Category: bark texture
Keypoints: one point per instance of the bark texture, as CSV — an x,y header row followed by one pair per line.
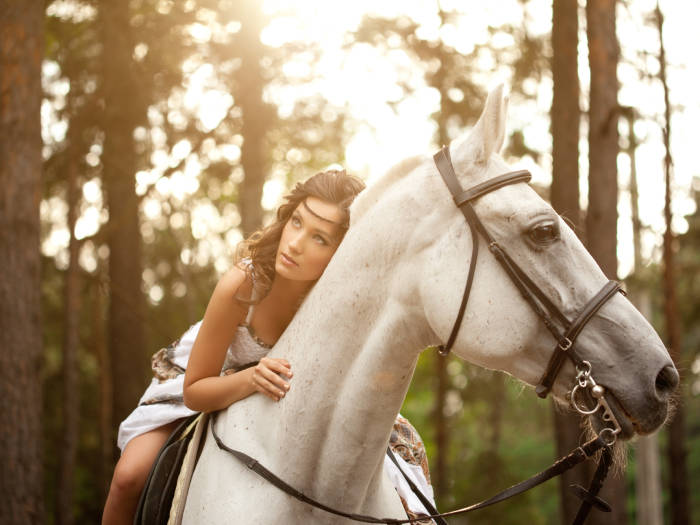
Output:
x,y
21,50
71,387
601,216
256,119
677,450
123,111
566,120
648,474
442,379
566,114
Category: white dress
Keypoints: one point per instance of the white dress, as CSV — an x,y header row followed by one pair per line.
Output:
x,y
162,403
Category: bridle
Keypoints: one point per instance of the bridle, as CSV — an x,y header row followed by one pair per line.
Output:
x,y
547,311
564,331
551,316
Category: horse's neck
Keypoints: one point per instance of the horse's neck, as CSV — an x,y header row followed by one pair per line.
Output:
x,y
353,349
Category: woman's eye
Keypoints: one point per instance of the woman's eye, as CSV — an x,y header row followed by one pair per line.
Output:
x,y
296,222
544,233
320,240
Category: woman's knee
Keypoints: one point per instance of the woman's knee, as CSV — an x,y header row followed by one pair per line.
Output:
x,y
137,459
129,477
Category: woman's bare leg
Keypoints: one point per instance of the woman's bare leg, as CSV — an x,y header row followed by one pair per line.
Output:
x,y
130,475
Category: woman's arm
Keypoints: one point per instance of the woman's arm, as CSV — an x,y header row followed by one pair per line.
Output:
x,y
204,389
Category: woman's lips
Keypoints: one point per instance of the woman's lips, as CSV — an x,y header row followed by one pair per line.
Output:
x,y
287,260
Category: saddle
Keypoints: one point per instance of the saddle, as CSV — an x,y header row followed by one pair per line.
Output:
x,y
171,473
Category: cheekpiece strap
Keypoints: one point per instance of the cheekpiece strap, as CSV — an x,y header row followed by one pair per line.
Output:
x,y
564,347
463,200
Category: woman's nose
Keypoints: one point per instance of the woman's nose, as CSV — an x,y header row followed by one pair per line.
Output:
x,y
295,244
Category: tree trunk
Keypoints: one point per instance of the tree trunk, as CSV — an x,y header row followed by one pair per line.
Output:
x,y
565,114
106,388
601,217
648,474
677,453
21,51
566,119
442,435
442,379
71,387
256,118
123,112
631,116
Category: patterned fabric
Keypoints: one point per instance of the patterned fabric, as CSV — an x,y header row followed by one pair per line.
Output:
x,y
163,364
406,443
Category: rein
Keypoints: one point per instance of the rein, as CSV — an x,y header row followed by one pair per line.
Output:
x,y
564,331
578,455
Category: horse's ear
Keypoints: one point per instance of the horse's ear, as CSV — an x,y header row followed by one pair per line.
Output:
x,y
489,132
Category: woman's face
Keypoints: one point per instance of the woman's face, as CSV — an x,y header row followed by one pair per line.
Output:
x,y
309,240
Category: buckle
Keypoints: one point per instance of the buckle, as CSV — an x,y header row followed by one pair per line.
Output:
x,y
564,344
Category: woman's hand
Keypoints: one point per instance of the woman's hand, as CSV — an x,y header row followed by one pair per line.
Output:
x,y
266,377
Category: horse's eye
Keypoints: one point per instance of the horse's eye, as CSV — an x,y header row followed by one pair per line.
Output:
x,y
545,233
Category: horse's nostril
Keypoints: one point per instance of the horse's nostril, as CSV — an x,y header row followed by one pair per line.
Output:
x,y
667,380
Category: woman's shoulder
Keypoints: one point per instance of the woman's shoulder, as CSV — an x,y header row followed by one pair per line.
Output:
x,y
235,281
224,303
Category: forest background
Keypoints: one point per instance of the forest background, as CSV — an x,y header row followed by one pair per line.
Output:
x,y
166,131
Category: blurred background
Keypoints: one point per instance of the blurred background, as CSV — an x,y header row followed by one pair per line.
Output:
x,y
171,129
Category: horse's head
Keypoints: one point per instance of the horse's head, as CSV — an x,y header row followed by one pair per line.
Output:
x,y
500,330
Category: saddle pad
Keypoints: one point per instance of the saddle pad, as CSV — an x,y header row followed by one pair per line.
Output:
x,y
177,508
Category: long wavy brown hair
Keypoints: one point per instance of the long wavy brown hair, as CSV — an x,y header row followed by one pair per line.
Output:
x,y
256,255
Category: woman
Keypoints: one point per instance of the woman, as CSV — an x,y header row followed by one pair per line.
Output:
x,y
249,309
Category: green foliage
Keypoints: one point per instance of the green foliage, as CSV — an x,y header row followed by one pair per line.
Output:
x,y
500,434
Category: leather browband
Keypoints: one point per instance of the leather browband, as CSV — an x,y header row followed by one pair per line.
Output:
x,y
477,191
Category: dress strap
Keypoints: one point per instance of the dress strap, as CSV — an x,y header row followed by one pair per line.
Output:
x,y
251,307
253,294
249,317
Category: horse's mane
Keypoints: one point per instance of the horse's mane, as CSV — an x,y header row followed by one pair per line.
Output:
x,y
370,196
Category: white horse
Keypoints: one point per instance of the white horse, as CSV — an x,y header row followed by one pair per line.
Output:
x,y
392,289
